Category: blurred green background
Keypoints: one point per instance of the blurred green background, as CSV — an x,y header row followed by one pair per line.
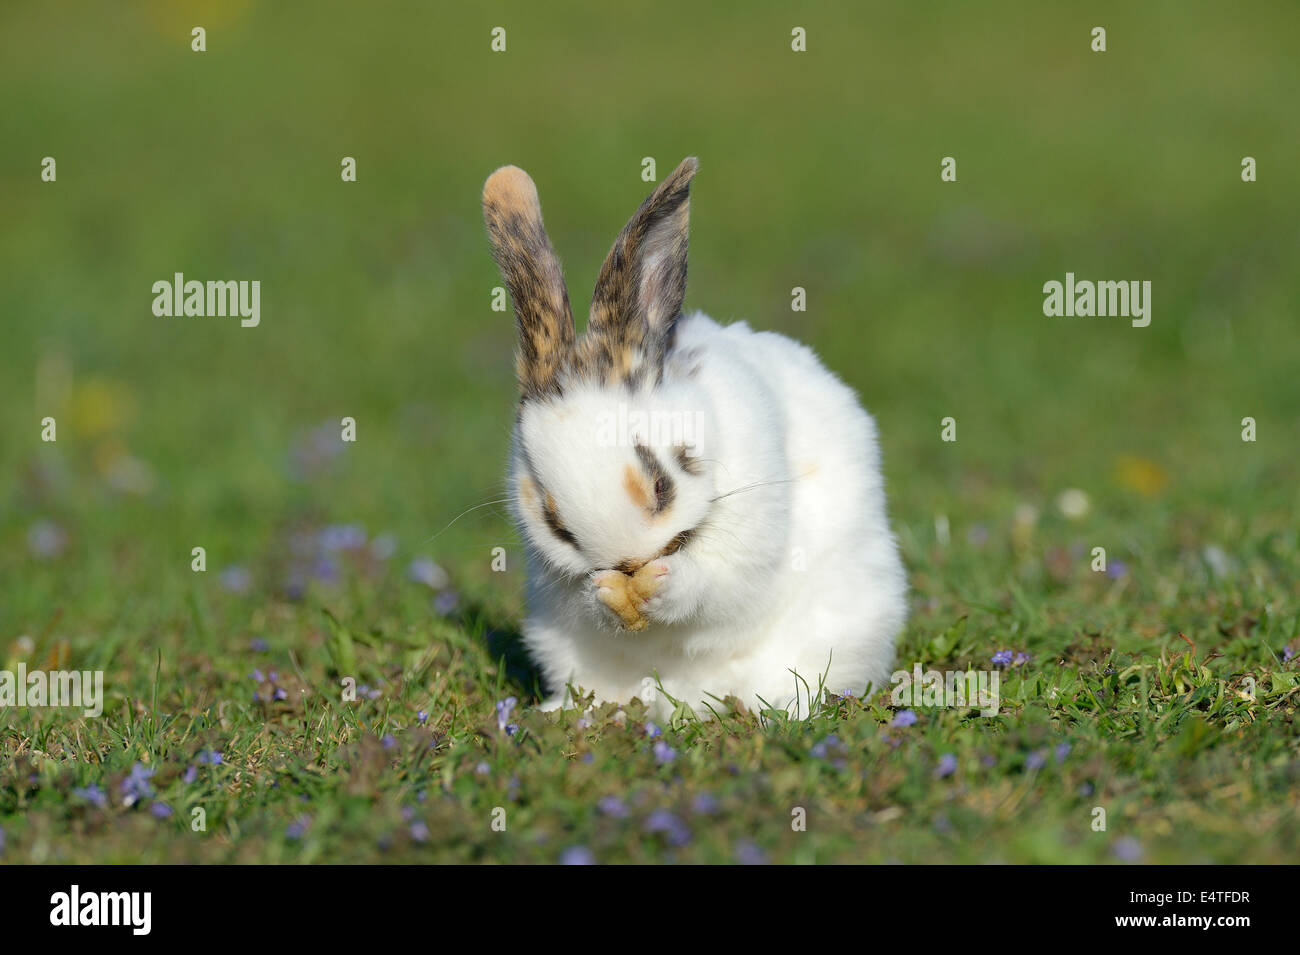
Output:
x,y
818,169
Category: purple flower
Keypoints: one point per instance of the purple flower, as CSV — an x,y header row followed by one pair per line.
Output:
x,y
160,810
820,750
1126,849
298,828
663,752
46,540
445,603
504,708
947,765
904,718
749,854
577,855
421,717
389,741
482,769
341,537
651,730
210,756
419,831
325,569
136,785
189,775
612,806
704,804
1002,658
1021,658
1116,569
280,693
1035,760
1062,751
259,645
236,580
1287,654
669,825
257,676
423,570
93,795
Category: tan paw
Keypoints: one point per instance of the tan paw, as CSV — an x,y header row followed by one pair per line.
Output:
x,y
645,583
616,591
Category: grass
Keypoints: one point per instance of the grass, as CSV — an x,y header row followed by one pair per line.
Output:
x,y
1157,691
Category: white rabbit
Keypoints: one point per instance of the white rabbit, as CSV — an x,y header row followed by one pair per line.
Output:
x,y
703,506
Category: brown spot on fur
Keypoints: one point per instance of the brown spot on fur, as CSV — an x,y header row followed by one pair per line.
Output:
x,y
679,540
685,461
638,489
552,517
528,491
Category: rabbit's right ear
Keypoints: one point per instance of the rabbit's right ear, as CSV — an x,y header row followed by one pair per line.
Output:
x,y
532,272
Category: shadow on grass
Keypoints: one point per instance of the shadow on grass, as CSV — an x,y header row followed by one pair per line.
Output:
x,y
505,644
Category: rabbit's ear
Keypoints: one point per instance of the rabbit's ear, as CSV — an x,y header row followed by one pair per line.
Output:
x,y
640,289
532,272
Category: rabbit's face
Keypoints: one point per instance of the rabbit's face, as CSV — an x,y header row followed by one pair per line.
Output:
x,y
610,468
602,479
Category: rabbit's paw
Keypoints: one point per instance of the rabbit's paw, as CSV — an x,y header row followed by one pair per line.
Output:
x,y
613,590
631,597
647,586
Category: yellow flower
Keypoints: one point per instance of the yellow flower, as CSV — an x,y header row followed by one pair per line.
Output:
x,y
1141,475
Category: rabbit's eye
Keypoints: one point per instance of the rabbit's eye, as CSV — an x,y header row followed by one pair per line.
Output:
x,y
664,490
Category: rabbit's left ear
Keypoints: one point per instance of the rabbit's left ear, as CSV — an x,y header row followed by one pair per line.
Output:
x,y
639,292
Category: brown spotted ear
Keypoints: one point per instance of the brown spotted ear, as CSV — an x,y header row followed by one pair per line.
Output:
x,y
641,287
532,272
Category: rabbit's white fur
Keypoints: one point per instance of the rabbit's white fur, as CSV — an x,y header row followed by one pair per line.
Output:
x,y
762,539
796,571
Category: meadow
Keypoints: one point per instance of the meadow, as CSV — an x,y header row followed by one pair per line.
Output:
x,y
1161,690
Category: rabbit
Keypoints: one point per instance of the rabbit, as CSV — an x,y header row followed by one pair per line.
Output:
x,y
702,506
